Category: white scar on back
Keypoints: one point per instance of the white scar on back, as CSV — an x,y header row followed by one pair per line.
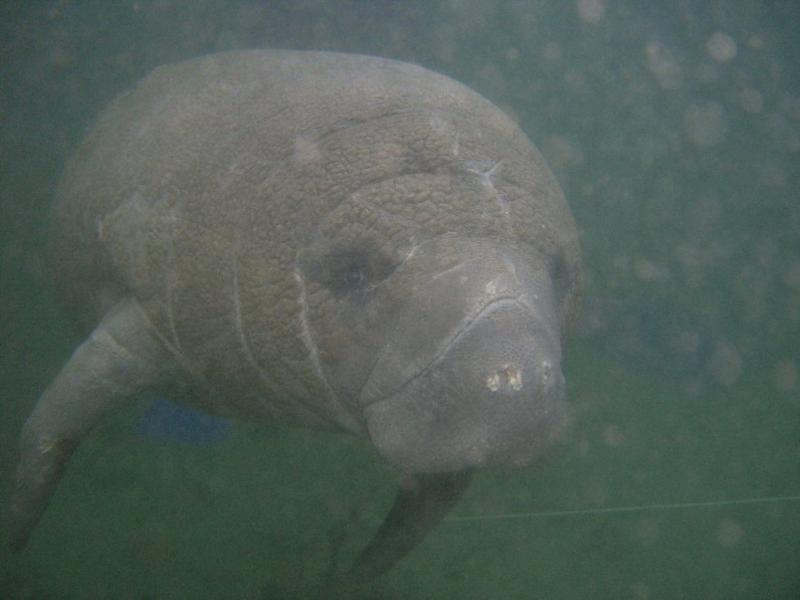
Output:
x,y
237,313
170,282
488,184
306,335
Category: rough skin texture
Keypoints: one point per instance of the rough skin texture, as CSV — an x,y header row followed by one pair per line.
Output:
x,y
205,190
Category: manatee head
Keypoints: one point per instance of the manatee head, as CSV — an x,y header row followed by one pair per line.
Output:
x,y
437,302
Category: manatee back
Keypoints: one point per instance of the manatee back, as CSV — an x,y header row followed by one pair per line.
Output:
x,y
197,139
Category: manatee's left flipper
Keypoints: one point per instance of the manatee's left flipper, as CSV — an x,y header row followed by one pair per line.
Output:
x,y
121,357
422,501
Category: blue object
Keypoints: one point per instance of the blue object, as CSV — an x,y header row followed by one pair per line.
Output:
x,y
167,421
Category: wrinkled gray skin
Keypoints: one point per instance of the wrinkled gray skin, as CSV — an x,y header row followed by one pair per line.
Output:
x,y
327,240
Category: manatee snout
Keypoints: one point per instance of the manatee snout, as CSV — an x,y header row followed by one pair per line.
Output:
x,y
493,393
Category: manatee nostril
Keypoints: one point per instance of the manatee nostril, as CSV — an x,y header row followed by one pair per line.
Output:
x,y
506,378
550,376
547,372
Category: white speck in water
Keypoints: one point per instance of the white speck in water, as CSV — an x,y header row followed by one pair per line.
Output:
x,y
751,100
729,533
664,66
640,591
725,364
721,47
648,531
647,270
553,52
706,124
591,11
791,276
613,436
785,375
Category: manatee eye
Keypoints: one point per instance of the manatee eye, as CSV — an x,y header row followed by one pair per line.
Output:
x,y
354,276
348,272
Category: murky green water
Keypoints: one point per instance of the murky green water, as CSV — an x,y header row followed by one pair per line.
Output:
x,y
674,129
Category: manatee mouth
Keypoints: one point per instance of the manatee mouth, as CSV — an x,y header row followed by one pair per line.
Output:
x,y
493,394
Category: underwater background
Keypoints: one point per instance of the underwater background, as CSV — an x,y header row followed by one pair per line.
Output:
x,y
674,129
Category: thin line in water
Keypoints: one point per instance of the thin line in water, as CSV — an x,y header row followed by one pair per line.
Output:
x,y
622,509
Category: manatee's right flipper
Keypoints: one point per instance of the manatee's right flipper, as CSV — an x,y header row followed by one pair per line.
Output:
x,y
422,501
122,356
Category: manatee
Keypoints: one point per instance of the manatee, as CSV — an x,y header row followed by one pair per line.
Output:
x,y
325,240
